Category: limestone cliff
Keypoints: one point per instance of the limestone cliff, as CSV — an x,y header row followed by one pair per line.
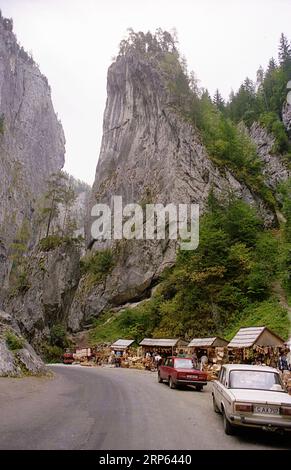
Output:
x,y
275,169
51,280
149,153
31,139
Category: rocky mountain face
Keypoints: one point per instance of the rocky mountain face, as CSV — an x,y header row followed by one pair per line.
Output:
x,y
52,280
32,143
17,358
286,117
275,169
78,210
150,154
32,147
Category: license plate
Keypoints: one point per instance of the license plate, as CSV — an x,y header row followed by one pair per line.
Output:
x,y
268,410
192,377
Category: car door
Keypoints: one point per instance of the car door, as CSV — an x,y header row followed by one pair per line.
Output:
x,y
225,397
218,387
170,367
163,369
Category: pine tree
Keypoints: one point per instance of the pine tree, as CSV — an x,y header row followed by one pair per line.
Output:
x,y
260,75
249,86
218,101
271,66
261,90
284,50
57,193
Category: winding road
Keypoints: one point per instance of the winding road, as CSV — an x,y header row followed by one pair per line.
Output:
x,y
106,409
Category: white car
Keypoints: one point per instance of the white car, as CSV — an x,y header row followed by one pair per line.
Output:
x,y
251,396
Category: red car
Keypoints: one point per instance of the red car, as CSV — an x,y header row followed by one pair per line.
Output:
x,y
68,358
180,371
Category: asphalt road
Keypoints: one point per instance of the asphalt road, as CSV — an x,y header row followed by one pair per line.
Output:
x,y
102,408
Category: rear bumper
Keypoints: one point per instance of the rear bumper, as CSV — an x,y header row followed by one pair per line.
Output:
x,y
264,423
191,382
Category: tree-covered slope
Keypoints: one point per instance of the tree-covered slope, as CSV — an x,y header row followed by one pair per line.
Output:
x,y
232,279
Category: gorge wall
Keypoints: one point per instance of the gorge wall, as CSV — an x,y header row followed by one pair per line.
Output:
x,y
150,154
32,142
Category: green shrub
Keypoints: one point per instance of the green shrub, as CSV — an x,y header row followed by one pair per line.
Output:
x,y
22,283
14,342
98,264
50,243
19,280
51,354
54,241
273,125
58,336
2,124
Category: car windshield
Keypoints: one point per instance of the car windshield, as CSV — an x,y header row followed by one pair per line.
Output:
x,y
183,363
255,380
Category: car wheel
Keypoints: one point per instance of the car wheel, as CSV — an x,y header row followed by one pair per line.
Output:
x,y
215,407
228,427
159,378
199,388
171,383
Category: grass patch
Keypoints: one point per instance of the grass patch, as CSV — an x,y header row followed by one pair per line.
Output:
x,y
135,323
268,313
13,341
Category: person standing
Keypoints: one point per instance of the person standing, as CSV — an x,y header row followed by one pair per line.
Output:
x,y
282,362
203,361
195,361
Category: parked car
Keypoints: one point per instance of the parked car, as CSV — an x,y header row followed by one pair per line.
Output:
x,y
252,396
68,357
180,371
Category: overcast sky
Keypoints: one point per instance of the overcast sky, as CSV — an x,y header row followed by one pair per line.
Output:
x,y
74,41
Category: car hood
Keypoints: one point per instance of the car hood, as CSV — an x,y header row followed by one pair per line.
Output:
x,y
262,396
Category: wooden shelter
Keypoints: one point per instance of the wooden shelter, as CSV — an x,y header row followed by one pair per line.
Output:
x,y
205,343
121,345
214,348
255,335
163,346
255,345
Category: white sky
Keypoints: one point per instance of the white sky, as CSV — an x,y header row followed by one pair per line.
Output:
x,y
74,41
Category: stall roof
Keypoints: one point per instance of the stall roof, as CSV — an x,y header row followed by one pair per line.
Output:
x,y
159,342
208,342
260,335
122,343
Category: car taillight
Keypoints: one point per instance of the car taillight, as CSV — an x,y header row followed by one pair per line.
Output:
x,y
285,410
244,407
